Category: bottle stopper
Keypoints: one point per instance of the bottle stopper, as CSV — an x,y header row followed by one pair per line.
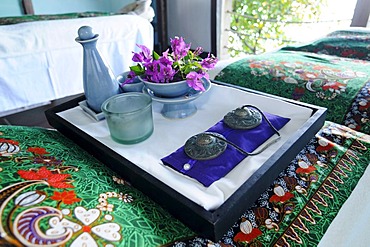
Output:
x,y
86,33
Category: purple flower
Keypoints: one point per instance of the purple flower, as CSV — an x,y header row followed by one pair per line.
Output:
x,y
179,64
198,51
160,70
209,62
194,80
165,59
143,56
179,48
166,73
130,78
151,70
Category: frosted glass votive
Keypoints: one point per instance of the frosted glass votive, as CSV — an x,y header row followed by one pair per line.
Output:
x,y
129,117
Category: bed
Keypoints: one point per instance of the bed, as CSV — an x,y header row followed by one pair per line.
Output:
x,y
321,198
41,61
332,72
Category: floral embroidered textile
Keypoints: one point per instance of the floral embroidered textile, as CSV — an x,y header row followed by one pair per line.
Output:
x,y
52,188
53,193
339,84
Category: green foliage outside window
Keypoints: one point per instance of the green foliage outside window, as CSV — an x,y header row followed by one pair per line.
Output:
x,y
257,24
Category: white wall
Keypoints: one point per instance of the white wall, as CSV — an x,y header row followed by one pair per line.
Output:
x,y
190,19
14,7
10,8
67,6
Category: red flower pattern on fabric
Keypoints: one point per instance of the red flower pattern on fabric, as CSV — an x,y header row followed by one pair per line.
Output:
x,y
307,170
86,229
55,180
325,146
9,141
334,86
286,197
67,197
37,150
364,105
242,237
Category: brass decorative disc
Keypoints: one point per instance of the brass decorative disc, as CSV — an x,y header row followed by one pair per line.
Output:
x,y
205,146
243,118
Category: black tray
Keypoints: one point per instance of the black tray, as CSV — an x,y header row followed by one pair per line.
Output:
x,y
210,224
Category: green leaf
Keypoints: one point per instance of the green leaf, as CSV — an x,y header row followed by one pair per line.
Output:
x,y
155,55
137,69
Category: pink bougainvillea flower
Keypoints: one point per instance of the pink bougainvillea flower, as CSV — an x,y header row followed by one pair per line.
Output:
x,y
130,78
166,73
67,197
198,51
179,64
143,56
55,180
37,150
209,62
194,80
179,47
160,70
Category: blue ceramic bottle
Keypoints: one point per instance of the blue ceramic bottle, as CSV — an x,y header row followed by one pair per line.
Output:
x,y
99,82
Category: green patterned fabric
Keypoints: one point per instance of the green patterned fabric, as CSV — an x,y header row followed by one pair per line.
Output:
x,y
339,84
29,18
54,193
55,178
297,209
353,43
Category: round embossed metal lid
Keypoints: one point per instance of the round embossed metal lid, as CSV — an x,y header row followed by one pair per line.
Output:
x,y
205,146
243,118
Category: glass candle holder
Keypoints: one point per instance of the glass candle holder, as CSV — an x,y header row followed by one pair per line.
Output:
x,y
129,117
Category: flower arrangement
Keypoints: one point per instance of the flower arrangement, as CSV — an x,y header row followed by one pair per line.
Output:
x,y
180,64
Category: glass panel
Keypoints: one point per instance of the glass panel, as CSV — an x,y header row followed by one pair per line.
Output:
x,y
264,25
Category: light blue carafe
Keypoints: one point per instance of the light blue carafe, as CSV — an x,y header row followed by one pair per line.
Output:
x,y
99,82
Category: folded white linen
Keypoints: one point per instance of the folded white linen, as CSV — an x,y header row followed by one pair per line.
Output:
x,y
171,134
142,8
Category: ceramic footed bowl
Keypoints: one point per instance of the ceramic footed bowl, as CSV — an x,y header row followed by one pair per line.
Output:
x,y
167,90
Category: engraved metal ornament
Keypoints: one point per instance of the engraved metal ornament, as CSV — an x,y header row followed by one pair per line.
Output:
x,y
205,146
243,118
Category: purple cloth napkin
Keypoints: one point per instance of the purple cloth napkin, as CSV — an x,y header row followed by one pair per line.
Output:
x,y
209,171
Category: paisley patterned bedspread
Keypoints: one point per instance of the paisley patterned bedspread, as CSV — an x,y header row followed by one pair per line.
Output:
x,y
350,43
333,72
54,193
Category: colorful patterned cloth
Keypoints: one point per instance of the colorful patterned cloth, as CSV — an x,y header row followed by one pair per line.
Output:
x,y
27,18
340,84
53,192
352,43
